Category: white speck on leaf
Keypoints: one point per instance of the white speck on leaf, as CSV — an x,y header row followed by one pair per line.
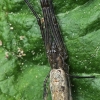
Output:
x,y
7,54
21,53
32,52
96,51
22,37
11,28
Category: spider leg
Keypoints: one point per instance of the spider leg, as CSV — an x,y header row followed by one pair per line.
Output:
x,y
45,93
45,7
57,33
78,77
48,37
37,17
51,46
33,11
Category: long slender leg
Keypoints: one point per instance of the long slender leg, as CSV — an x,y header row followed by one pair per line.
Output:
x,y
45,6
52,27
48,37
37,17
44,31
45,94
78,77
55,25
33,11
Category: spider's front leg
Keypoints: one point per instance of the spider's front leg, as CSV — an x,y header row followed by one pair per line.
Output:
x,y
45,92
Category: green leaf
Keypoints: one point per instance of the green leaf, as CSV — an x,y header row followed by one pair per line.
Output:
x,y
23,62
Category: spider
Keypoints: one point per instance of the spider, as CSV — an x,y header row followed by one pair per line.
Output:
x,y
51,36
53,41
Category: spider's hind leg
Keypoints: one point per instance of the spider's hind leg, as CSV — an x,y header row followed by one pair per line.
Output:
x,y
37,17
45,92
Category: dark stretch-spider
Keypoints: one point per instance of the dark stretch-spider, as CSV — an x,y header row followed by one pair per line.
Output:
x,y
52,38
